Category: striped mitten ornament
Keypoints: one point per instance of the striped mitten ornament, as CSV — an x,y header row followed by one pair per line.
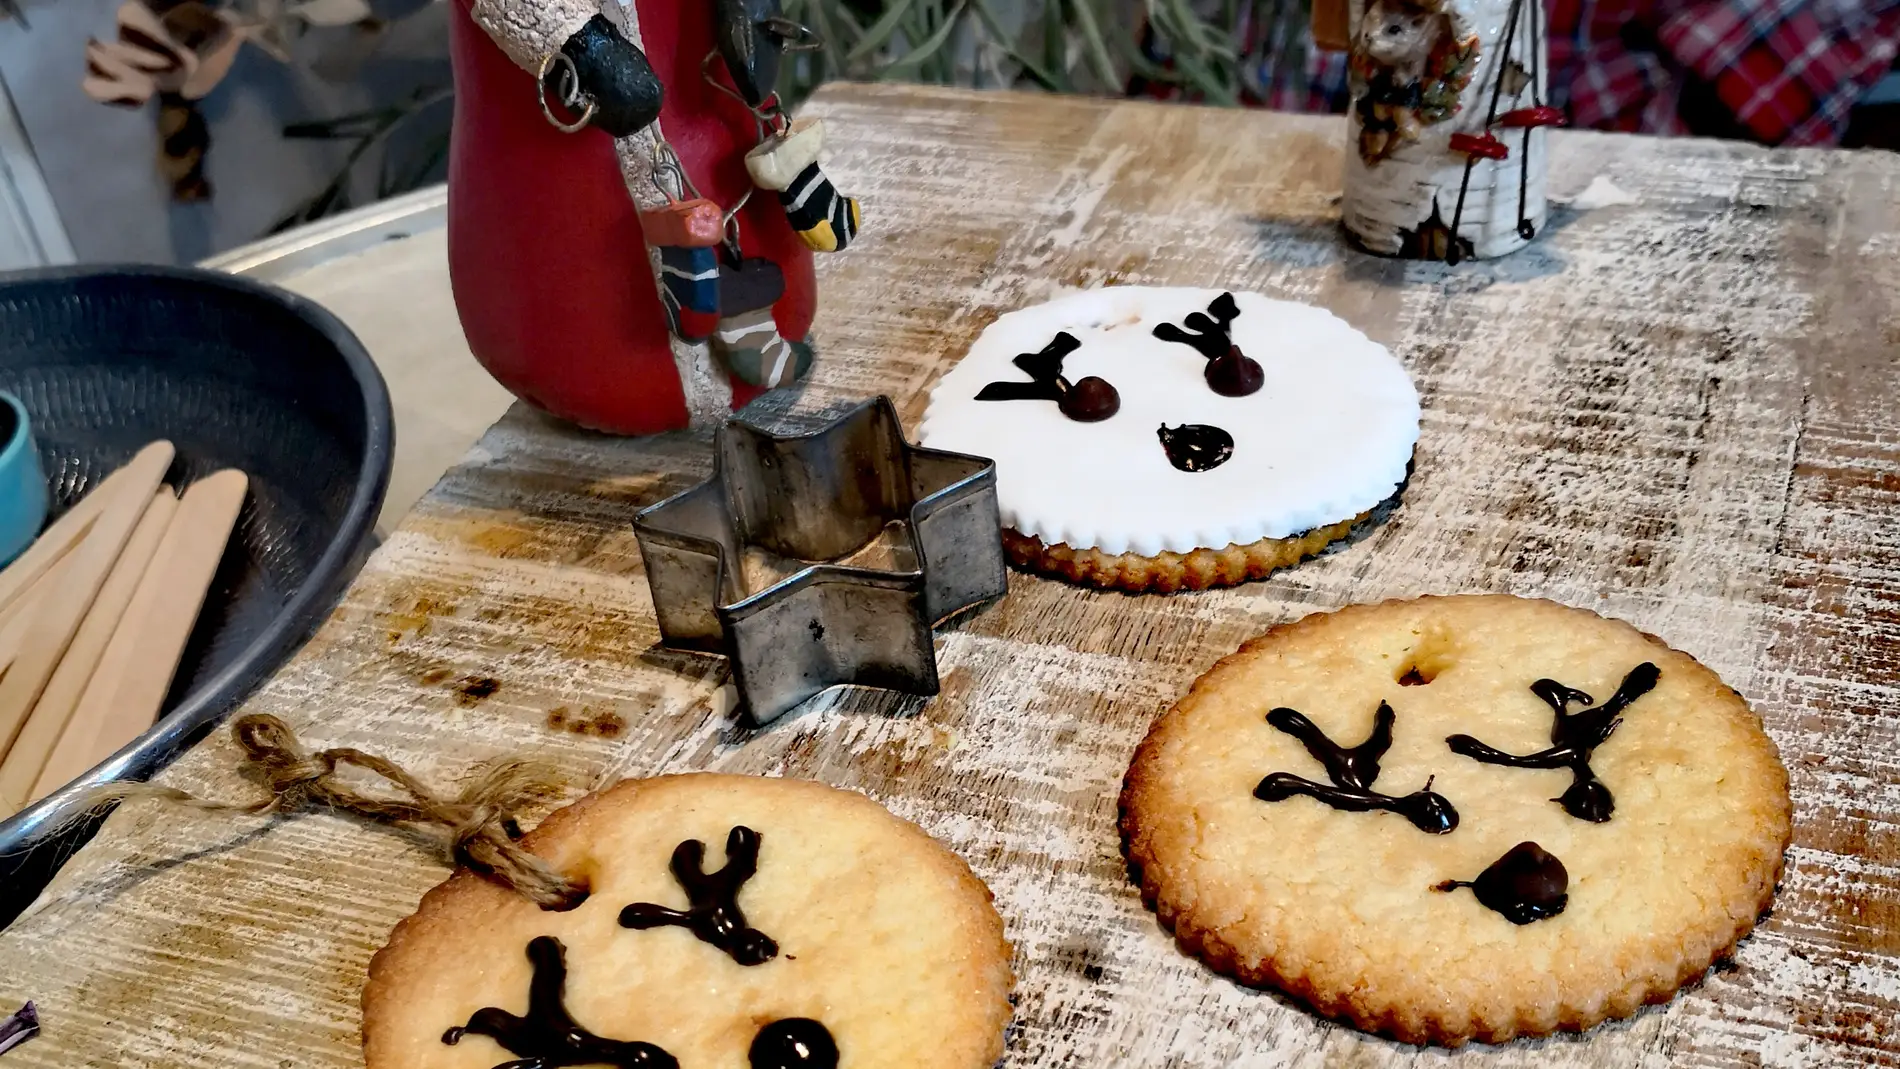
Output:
x,y
788,164
687,234
748,340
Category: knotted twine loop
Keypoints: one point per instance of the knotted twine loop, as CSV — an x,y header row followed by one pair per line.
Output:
x,y
479,820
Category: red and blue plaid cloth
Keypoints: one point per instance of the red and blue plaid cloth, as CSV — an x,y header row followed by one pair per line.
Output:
x,y
1784,72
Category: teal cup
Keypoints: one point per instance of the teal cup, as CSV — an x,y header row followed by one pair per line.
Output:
x,y
23,499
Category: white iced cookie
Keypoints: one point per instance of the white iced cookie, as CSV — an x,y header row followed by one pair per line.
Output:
x,y
1141,461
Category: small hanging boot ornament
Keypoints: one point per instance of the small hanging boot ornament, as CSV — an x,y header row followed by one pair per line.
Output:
x,y
753,37
748,339
750,40
686,232
787,164
689,265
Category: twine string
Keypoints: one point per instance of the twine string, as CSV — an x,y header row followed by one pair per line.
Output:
x,y
479,820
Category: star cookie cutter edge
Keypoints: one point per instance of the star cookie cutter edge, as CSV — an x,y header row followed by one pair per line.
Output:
x,y
820,498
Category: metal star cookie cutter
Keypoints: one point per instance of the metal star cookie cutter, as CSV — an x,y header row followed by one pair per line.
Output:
x,y
821,559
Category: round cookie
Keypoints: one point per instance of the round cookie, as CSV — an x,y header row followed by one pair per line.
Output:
x,y
1392,887
1161,438
854,930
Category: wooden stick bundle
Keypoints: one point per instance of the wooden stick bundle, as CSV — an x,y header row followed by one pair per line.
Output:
x,y
95,615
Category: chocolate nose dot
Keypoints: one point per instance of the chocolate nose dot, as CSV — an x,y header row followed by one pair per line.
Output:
x,y
1090,401
1234,373
794,1043
1196,446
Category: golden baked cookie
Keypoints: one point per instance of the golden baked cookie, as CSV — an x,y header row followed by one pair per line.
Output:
x,y
1459,818
1167,572
808,928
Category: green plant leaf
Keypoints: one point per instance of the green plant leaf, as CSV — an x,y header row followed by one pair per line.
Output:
x,y
996,35
880,31
924,49
1094,44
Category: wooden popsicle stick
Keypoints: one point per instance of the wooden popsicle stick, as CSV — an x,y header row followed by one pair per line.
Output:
x,y
56,541
21,767
39,560
67,602
129,685
16,620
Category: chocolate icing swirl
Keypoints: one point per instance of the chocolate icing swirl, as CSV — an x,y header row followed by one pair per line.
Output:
x,y
548,1037
1526,884
1229,372
1091,400
713,914
1575,737
1353,771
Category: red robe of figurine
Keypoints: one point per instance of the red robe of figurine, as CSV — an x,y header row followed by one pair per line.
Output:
x,y
556,285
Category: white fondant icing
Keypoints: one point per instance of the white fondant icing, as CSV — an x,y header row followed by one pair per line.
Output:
x,y
1327,437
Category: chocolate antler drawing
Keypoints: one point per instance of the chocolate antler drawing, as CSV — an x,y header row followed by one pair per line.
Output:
x,y
1045,365
1229,372
1211,335
1576,735
713,914
1089,401
547,1036
1353,771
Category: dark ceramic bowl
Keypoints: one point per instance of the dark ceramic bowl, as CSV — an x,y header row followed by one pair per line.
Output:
x,y
235,374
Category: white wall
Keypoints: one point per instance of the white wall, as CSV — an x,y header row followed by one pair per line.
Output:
x,y
98,161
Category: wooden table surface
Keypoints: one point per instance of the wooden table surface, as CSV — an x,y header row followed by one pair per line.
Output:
x,y
1681,409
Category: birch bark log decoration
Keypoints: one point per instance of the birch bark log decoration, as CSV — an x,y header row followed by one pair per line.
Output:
x,y
1446,157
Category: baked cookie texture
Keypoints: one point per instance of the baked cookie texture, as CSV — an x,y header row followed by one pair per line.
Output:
x,y
1339,909
1169,573
884,936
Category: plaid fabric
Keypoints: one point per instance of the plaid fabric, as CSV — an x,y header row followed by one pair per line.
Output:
x,y
1605,71
1788,71
1785,72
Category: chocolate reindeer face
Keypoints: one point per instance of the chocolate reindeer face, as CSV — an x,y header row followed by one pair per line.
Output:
x,y
1299,800
1527,883
730,921
549,1036
1138,419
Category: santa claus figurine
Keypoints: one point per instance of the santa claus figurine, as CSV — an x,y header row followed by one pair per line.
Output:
x,y
631,213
